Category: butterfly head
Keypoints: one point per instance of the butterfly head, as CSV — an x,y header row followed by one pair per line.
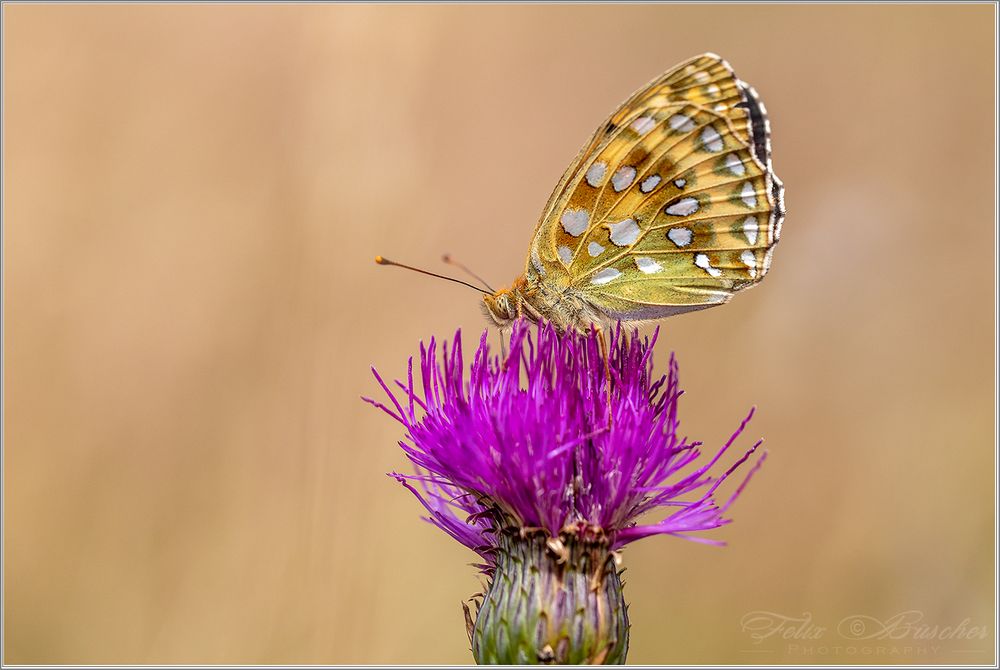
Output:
x,y
501,307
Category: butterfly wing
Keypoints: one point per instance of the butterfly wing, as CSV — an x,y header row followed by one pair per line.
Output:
x,y
672,205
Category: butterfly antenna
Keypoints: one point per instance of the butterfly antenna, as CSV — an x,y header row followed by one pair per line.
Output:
x,y
386,261
451,261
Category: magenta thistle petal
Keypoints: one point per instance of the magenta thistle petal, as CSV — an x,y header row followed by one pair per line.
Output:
x,y
530,437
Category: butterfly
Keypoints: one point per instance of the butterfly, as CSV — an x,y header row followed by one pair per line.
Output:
x,y
672,206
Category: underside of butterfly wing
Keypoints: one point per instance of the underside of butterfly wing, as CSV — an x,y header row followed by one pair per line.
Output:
x,y
672,205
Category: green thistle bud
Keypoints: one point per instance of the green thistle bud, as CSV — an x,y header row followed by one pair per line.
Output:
x,y
552,600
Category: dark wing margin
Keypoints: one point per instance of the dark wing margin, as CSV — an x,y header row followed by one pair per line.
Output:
x,y
760,139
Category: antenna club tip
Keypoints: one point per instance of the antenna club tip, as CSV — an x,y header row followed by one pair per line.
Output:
x,y
380,260
446,258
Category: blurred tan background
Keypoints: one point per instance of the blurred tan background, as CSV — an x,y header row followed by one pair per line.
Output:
x,y
193,199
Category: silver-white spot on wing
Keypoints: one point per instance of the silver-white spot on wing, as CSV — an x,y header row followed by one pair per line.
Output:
x,y
750,229
679,183
735,165
750,261
681,123
643,124
683,207
594,249
711,139
716,297
680,236
575,221
748,195
622,178
647,265
701,260
565,254
649,183
536,262
605,275
596,172
625,233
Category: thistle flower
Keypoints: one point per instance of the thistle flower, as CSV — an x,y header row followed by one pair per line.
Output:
x,y
542,463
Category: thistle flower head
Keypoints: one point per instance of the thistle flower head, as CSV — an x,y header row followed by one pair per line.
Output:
x,y
561,445
540,437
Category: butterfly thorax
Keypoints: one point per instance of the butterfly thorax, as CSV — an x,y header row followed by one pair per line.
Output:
x,y
535,300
